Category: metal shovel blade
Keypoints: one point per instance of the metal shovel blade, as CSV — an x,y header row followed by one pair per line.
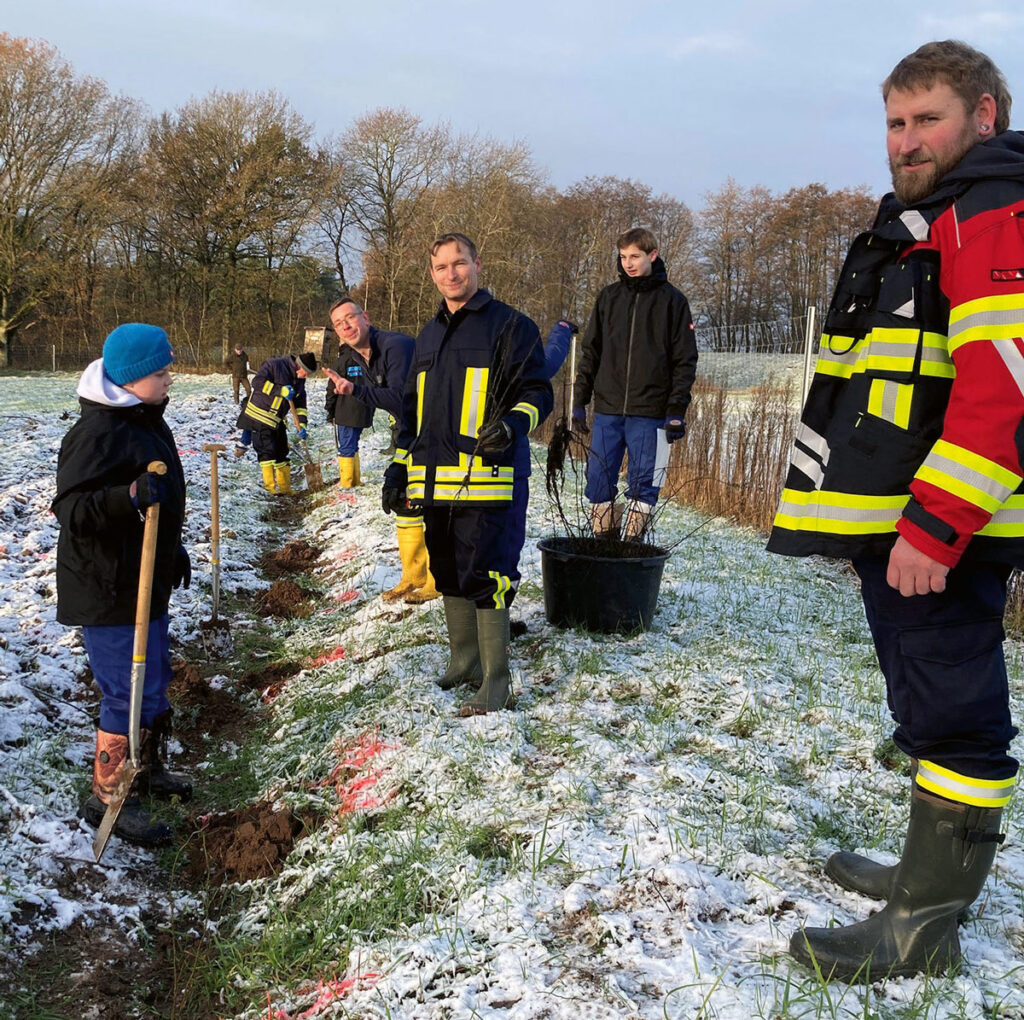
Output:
x,y
125,780
216,635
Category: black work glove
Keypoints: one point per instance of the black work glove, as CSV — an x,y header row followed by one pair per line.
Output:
x,y
392,496
147,489
675,427
182,568
494,439
579,421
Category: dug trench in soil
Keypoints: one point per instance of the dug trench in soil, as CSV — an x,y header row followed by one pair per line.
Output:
x,y
296,557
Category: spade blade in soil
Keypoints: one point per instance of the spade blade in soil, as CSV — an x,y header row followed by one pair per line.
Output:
x,y
121,791
216,635
314,477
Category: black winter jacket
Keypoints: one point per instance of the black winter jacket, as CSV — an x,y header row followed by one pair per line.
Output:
x,y
639,353
99,547
378,382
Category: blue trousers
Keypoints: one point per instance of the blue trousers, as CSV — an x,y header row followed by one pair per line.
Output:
x,y
472,555
347,440
110,659
613,436
945,675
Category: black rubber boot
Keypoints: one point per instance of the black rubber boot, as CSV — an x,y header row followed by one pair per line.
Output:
x,y
157,781
134,822
464,667
492,629
948,854
861,874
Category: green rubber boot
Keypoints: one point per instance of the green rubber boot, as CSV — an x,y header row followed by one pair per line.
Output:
x,y
948,854
492,630
464,667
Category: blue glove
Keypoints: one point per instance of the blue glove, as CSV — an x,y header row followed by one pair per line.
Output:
x,y
146,490
579,420
182,568
675,427
303,434
494,439
287,392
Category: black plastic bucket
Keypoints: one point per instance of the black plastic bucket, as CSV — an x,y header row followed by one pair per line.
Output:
x,y
586,587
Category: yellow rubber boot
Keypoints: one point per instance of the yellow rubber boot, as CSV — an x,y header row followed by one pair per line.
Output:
x,y
412,551
267,467
427,592
283,476
348,472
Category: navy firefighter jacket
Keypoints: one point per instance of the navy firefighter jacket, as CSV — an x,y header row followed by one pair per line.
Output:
x,y
482,363
268,405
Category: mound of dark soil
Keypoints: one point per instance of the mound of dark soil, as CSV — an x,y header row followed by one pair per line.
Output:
x,y
297,557
284,599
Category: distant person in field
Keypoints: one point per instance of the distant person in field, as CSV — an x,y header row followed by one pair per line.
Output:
x,y
238,362
279,387
104,488
908,460
638,360
477,386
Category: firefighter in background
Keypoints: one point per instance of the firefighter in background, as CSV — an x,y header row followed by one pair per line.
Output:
x,y
277,388
371,371
908,460
477,386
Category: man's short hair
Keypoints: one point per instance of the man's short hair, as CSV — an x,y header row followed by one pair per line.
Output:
x,y
967,71
641,237
344,301
454,238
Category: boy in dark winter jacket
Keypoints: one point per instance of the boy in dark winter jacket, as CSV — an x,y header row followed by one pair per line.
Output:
x,y
638,361
103,490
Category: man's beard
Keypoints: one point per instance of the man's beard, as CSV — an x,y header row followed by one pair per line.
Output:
x,y
913,187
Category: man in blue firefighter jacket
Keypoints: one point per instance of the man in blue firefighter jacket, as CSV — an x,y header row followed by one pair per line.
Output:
x,y
477,386
908,460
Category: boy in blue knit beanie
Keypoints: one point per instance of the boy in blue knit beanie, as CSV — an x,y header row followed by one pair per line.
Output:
x,y
103,490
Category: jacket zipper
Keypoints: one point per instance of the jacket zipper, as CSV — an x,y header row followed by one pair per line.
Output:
x,y
629,356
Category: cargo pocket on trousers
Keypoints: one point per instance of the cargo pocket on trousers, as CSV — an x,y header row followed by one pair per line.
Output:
x,y
954,675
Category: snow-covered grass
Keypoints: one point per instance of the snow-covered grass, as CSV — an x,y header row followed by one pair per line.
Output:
x,y
639,838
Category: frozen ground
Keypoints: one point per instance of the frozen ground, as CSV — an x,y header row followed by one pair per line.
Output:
x,y
639,838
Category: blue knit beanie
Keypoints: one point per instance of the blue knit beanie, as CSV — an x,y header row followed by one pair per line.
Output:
x,y
135,350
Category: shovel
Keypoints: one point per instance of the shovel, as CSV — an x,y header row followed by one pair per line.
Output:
x,y
216,633
133,765
314,476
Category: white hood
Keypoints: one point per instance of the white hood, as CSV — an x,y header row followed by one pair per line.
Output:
x,y
96,385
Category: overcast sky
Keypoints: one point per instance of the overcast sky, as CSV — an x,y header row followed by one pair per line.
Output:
x,y
679,95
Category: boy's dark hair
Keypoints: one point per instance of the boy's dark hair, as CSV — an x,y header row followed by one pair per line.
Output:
x,y
454,238
641,237
967,71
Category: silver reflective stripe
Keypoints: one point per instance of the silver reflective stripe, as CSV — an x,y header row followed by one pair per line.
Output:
x,y
829,511
808,465
988,317
890,394
916,224
814,441
961,790
906,309
1012,359
961,473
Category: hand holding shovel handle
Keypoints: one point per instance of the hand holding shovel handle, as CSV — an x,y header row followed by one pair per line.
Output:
x,y
133,766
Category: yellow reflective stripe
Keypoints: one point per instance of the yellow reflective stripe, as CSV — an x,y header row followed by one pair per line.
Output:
x,y
1007,521
261,414
421,385
503,587
840,513
409,522
889,350
890,401
999,317
462,493
474,393
530,411
986,793
268,387
935,360
968,475
837,355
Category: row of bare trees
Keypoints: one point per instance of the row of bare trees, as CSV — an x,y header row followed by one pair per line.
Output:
x,y
228,219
